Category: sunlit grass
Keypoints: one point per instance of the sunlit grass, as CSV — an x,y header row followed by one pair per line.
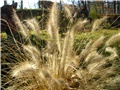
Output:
x,y
72,61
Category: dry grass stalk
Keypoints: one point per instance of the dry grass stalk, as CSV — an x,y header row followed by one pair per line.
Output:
x,y
20,25
34,26
52,27
97,23
113,39
68,12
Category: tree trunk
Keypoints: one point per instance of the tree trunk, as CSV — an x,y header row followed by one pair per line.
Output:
x,y
114,6
118,7
12,1
21,4
5,2
38,3
79,5
60,5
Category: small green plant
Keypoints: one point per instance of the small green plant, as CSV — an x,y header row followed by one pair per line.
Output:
x,y
93,12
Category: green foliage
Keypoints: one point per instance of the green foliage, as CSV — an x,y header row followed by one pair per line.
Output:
x,y
86,37
63,22
106,25
79,38
39,42
93,12
3,35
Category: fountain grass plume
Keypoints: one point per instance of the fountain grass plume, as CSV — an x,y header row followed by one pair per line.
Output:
x,y
112,51
113,39
34,26
52,27
91,47
59,67
68,12
19,70
17,21
97,23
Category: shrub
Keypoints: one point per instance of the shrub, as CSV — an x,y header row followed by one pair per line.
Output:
x,y
93,12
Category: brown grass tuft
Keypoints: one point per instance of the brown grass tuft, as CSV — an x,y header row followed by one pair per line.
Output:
x,y
57,66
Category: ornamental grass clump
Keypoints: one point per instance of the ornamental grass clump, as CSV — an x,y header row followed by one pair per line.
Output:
x,y
57,66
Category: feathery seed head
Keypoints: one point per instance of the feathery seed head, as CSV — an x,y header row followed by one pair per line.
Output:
x,y
23,67
97,23
68,11
32,52
113,39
